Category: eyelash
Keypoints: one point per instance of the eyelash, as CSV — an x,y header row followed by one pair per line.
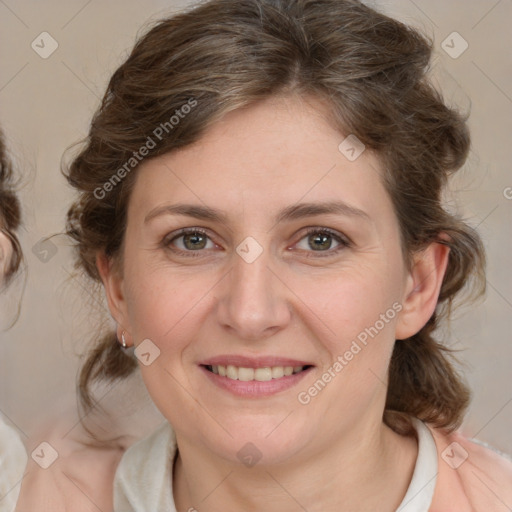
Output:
x,y
343,241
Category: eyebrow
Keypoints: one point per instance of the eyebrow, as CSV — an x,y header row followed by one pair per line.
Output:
x,y
294,212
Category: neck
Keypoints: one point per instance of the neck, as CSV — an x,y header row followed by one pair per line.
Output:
x,y
367,469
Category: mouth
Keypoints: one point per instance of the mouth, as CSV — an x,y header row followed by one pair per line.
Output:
x,y
249,377
247,374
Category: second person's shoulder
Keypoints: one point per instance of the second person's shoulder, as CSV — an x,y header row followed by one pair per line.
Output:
x,y
479,473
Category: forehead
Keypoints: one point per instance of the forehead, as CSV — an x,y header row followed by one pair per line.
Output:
x,y
264,157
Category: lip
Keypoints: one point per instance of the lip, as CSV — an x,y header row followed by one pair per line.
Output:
x,y
254,388
253,362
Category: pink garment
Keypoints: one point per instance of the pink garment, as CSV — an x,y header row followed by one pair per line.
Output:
x,y
471,477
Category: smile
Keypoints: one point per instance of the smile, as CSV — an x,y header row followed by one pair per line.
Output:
x,y
259,374
250,377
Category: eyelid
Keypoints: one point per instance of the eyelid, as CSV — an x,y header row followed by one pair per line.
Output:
x,y
320,229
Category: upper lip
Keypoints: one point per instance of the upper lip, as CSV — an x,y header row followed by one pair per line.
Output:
x,y
253,362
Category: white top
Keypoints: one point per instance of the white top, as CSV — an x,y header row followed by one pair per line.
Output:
x,y
13,460
143,479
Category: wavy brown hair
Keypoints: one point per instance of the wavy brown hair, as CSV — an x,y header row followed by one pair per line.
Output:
x,y
370,70
10,212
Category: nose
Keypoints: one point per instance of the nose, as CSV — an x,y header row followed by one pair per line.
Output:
x,y
254,301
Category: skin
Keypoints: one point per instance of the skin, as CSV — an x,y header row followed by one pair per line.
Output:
x,y
5,254
82,476
334,453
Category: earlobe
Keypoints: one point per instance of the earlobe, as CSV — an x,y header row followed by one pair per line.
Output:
x,y
422,289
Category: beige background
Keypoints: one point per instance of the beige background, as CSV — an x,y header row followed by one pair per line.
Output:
x,y
46,105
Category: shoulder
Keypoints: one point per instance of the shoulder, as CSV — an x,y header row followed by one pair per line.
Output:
x,y
143,475
142,457
82,479
478,474
70,473
13,459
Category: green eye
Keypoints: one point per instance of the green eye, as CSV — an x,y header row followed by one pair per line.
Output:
x,y
320,240
191,240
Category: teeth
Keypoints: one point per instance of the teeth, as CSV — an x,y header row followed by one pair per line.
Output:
x,y
259,374
244,374
232,372
262,374
277,372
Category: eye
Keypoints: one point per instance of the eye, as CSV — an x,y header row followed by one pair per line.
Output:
x,y
320,240
188,240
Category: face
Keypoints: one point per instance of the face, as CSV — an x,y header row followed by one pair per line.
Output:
x,y
5,254
266,284
8,303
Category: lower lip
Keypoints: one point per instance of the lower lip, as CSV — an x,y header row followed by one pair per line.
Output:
x,y
255,388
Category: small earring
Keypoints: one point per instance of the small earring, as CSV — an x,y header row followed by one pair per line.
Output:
x,y
123,340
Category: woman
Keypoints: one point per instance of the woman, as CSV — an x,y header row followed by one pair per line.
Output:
x,y
12,452
260,197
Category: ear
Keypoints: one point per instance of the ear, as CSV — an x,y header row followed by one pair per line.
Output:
x,y
114,290
5,255
422,289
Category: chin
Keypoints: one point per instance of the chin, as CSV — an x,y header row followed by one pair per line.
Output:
x,y
258,440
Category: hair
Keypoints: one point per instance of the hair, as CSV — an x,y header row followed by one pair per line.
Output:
x,y
371,72
10,213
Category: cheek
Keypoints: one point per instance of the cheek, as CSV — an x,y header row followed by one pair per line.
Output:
x,y
359,311
358,316
160,303
163,307
350,304
6,252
